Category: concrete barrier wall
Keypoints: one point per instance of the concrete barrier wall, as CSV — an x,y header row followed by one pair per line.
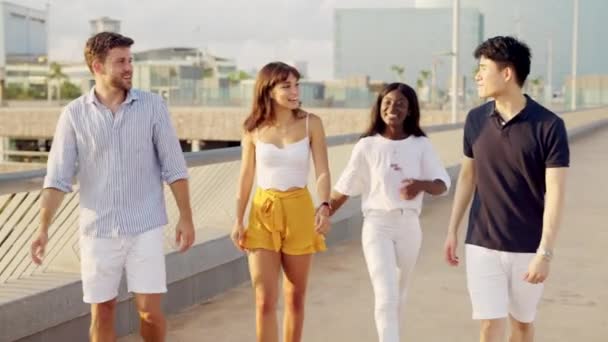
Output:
x,y
204,271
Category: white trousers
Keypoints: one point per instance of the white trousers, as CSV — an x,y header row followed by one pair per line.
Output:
x,y
391,243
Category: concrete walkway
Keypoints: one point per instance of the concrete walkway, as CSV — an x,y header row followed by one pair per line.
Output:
x,y
340,303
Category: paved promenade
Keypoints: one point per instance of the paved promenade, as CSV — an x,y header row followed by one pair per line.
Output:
x,y
340,303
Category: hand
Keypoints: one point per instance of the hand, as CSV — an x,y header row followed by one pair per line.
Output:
x,y
538,270
238,236
449,249
332,207
184,233
411,188
322,224
38,246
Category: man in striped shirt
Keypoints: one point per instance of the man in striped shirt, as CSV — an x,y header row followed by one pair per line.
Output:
x,y
120,145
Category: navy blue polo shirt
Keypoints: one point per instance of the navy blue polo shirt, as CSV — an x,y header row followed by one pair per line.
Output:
x,y
510,163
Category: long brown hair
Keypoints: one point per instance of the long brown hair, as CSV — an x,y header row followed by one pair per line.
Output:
x,y
411,124
269,76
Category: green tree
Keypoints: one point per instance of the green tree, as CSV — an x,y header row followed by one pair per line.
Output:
x,y
14,92
423,78
400,71
237,76
537,81
20,92
56,78
69,91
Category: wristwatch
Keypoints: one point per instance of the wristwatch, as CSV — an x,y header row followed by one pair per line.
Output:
x,y
545,253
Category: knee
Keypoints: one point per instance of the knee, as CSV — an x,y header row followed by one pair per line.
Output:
x,y
151,316
492,327
266,303
294,300
521,327
103,313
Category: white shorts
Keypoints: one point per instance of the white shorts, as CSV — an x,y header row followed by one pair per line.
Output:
x,y
497,287
102,261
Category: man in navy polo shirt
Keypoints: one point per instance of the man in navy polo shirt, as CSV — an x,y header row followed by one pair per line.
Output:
x,y
516,157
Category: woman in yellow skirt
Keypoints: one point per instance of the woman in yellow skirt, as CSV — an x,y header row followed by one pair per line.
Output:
x,y
284,228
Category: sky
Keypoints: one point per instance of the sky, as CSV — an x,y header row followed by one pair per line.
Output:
x,y
251,32
254,32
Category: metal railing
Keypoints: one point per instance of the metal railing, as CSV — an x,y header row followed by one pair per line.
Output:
x,y
213,177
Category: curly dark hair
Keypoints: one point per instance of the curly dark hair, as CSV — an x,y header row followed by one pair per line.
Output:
x,y
507,52
99,45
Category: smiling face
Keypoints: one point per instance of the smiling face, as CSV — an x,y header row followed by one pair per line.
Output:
x,y
492,78
394,109
286,94
116,69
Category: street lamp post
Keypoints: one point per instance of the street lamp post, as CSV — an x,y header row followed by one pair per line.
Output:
x,y
48,50
455,45
549,83
436,61
574,55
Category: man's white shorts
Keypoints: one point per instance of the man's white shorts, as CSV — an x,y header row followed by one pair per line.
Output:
x,y
102,261
497,287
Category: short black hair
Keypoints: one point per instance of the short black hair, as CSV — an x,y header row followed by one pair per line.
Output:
x,y
507,52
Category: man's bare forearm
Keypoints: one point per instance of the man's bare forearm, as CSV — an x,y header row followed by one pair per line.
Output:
x,y
181,193
462,197
50,201
554,204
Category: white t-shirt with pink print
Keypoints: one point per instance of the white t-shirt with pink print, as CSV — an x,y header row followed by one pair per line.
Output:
x,y
378,166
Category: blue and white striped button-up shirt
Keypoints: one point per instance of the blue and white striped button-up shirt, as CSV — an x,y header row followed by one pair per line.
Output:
x,y
120,161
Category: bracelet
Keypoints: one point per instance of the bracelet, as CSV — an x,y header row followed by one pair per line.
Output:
x,y
323,204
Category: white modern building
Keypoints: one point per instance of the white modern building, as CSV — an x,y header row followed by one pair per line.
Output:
x,y
104,24
23,34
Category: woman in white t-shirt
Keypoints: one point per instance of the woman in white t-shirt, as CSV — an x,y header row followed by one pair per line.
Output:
x,y
391,167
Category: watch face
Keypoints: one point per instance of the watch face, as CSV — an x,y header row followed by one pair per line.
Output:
x,y
545,254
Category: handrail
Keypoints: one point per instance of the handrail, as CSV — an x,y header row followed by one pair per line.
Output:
x,y
13,182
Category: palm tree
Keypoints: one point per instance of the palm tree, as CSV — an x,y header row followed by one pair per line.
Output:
x,y
422,85
425,74
423,78
536,81
536,86
400,71
55,78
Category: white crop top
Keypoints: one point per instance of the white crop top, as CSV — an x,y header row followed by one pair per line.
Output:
x,y
283,168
